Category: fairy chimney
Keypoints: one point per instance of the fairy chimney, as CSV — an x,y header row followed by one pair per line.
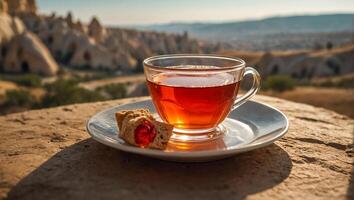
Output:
x,y
9,27
3,6
79,27
96,30
69,19
31,6
16,7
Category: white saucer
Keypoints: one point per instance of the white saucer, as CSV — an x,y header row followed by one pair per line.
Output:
x,y
250,126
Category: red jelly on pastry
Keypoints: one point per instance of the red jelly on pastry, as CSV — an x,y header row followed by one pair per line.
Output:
x,y
139,128
145,133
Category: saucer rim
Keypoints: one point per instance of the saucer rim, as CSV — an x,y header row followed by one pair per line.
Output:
x,y
187,154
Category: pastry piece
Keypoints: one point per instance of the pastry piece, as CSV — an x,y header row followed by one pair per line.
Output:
x,y
164,132
125,114
139,128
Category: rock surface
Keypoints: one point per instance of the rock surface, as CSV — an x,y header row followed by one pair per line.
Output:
x,y
9,27
21,51
47,154
16,7
300,64
26,53
74,44
96,30
94,46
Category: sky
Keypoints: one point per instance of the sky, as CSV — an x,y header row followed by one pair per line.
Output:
x,y
141,12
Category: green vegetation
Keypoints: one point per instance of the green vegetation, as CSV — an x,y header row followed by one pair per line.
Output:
x,y
279,83
60,92
63,92
91,77
19,97
28,80
114,91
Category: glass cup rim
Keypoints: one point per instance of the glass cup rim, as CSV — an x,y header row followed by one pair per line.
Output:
x,y
241,63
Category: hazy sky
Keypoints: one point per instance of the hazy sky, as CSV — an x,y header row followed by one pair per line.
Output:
x,y
125,12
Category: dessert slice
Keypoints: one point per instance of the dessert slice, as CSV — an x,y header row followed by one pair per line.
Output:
x,y
139,128
130,114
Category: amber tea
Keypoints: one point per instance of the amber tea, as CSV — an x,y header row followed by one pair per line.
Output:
x,y
193,102
195,92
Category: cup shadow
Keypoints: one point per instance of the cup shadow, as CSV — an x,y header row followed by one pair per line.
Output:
x,y
89,170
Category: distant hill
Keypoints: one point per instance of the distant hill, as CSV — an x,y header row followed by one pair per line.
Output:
x,y
303,64
275,25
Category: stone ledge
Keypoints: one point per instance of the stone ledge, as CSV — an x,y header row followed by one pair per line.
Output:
x,y
47,154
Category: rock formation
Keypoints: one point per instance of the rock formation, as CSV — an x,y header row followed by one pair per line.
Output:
x,y
69,20
92,56
21,50
3,7
79,27
94,46
96,30
16,7
9,27
91,46
280,63
308,64
26,53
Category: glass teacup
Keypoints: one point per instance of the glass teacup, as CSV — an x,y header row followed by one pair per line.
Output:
x,y
195,93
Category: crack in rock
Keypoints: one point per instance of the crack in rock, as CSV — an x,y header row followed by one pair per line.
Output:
x,y
322,163
57,138
66,109
335,145
314,120
17,121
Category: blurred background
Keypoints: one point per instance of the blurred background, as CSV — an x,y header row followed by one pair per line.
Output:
x,y
72,51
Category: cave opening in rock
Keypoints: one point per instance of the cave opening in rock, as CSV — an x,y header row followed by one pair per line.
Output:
x,y
58,54
24,67
115,62
70,53
3,51
294,75
72,48
303,73
19,52
311,73
275,69
87,56
334,66
50,40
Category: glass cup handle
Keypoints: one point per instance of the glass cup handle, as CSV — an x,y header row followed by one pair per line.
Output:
x,y
255,87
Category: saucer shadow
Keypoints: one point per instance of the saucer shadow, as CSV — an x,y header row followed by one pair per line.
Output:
x,y
89,170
